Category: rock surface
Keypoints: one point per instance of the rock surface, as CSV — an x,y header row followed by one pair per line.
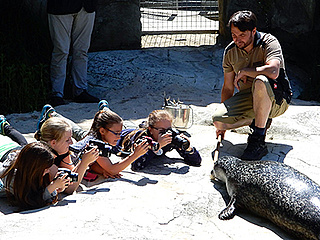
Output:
x,y
169,199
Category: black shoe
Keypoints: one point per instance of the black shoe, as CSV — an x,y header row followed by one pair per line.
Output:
x,y
85,97
268,124
56,101
256,148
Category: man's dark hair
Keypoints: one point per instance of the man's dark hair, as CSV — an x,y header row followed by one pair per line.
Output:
x,y
244,20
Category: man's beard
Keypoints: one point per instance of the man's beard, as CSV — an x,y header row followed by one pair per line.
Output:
x,y
246,44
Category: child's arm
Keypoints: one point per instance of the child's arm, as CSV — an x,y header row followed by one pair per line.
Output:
x,y
95,167
87,158
59,184
115,168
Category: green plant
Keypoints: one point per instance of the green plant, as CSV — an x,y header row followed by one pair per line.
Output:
x,y
23,88
25,50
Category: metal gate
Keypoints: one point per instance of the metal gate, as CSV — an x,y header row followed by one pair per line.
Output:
x,y
179,16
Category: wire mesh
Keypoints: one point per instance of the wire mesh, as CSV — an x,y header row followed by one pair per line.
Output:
x,y
178,40
179,16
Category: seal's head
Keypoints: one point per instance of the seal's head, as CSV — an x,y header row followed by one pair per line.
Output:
x,y
222,166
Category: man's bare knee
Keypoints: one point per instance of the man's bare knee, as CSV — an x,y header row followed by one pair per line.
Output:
x,y
229,126
259,85
218,125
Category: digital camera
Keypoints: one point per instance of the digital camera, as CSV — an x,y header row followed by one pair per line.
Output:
x,y
154,146
105,149
72,175
177,140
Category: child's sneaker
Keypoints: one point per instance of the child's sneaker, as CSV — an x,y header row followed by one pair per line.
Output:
x,y
46,112
3,123
103,104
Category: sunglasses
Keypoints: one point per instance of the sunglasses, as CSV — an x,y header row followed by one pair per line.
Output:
x,y
114,133
161,130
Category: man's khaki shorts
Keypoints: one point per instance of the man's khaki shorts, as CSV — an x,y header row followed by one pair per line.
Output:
x,y
240,106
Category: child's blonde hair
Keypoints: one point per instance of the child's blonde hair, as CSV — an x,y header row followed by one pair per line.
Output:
x,y
157,115
52,129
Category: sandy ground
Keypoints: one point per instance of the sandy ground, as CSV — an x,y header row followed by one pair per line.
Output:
x,y
169,199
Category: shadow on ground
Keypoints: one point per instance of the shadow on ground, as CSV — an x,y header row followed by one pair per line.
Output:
x,y
277,151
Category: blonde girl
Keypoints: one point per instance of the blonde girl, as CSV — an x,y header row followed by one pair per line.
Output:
x,y
56,133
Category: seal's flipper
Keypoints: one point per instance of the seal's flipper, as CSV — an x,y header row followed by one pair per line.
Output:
x,y
229,211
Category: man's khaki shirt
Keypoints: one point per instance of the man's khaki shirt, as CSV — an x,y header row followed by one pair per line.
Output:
x,y
265,48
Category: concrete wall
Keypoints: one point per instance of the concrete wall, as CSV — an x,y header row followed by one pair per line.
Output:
x,y
117,25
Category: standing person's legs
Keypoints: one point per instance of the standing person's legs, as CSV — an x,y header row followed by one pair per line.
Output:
x,y
81,37
60,27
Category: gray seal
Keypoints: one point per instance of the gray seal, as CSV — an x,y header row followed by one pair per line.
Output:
x,y
271,190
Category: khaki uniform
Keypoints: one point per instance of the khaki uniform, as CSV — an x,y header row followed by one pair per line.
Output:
x,y
240,106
